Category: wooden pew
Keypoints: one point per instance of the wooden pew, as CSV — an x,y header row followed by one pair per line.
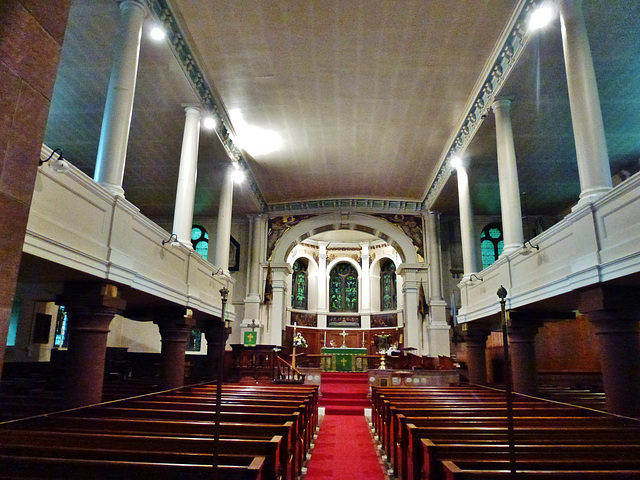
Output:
x,y
178,451
120,418
41,467
453,472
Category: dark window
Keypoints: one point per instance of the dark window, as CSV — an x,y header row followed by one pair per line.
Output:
x,y
343,288
491,244
299,284
388,296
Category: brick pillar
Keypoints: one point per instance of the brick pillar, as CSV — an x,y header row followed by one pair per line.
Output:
x,y
175,329
31,36
216,338
476,353
90,309
615,319
522,348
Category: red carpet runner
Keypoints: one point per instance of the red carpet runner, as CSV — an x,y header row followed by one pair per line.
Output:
x,y
344,393
344,450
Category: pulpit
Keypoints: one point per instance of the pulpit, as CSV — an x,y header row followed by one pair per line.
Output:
x,y
344,359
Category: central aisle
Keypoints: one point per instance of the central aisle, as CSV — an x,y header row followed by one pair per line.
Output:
x,y
344,450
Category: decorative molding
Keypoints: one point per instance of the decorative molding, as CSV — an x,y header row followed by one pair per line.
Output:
x,y
506,58
207,94
355,204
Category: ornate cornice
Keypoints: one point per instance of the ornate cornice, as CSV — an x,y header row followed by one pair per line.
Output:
x,y
208,96
509,52
360,205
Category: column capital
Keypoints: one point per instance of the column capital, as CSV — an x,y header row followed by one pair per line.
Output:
x,y
501,104
139,4
91,296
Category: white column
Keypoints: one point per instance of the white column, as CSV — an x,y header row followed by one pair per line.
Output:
x,y
435,269
508,178
437,341
412,321
252,301
469,262
116,121
277,309
365,284
186,191
588,128
322,277
223,237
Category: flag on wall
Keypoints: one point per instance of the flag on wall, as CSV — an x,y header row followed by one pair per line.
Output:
x,y
423,307
268,289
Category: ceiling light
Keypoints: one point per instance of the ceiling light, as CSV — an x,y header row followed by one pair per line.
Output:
x,y
157,33
209,123
238,175
541,17
254,140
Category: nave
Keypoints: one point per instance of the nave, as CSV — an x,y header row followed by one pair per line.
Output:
x,y
286,432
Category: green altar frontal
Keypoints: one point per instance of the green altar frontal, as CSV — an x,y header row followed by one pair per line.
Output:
x,y
344,359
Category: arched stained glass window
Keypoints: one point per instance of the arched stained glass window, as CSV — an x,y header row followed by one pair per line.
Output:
x,y
388,296
299,285
200,240
343,288
491,244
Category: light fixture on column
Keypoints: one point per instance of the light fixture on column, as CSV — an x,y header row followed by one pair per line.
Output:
x,y
157,33
238,174
542,16
456,162
526,250
209,122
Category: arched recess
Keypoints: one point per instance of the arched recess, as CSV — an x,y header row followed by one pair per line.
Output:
x,y
353,221
375,281
312,271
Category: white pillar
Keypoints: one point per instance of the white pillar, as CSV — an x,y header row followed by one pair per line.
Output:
x,y
469,262
322,277
412,321
435,269
186,191
365,284
508,178
437,330
252,301
116,121
225,210
277,308
588,128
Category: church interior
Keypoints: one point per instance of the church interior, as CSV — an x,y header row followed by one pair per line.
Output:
x,y
241,238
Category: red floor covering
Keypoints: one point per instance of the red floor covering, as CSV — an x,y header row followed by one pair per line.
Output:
x,y
344,450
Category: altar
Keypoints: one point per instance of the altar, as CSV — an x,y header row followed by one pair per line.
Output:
x,y
344,359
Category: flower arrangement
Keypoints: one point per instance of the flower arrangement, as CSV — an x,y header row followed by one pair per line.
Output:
x,y
299,341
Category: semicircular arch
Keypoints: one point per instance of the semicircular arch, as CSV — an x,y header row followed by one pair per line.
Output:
x,y
336,221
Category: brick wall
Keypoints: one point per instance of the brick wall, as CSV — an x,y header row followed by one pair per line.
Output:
x,y
31,33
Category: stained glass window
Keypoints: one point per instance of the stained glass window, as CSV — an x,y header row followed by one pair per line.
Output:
x,y
200,240
343,288
299,284
195,341
491,244
62,339
388,297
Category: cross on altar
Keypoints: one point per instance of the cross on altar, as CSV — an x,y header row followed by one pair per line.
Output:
x,y
344,338
344,361
250,337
